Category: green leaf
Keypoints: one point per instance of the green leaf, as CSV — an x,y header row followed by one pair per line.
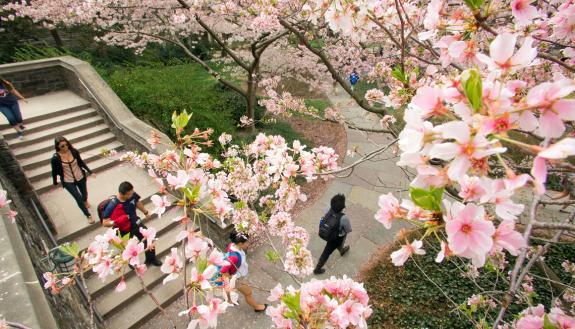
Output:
x,y
180,121
474,4
272,256
398,73
428,200
71,249
202,264
472,88
547,323
293,303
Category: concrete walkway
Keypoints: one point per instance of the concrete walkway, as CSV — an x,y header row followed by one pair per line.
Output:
x,y
362,188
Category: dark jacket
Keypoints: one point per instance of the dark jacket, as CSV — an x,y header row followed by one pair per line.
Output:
x,y
58,170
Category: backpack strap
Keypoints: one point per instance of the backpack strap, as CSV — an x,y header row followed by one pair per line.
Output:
x,y
239,256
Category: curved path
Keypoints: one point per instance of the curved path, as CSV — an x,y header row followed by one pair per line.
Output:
x,y
362,188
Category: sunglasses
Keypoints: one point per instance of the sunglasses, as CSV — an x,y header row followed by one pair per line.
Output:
x,y
63,145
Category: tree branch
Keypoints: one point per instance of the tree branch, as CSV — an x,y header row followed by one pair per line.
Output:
x,y
222,44
319,53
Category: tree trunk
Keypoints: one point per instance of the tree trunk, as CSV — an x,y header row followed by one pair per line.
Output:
x,y
57,39
251,98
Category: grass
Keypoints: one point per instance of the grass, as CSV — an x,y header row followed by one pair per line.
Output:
x,y
403,297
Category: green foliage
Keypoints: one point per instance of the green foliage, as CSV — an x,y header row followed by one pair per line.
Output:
x,y
427,199
399,74
154,93
237,104
405,298
30,53
472,88
272,256
320,104
475,5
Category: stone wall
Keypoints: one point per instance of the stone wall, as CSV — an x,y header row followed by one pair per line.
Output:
x,y
68,308
37,82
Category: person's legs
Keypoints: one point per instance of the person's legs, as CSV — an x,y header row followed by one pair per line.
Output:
x,y
329,248
343,249
17,114
12,118
73,189
82,186
248,294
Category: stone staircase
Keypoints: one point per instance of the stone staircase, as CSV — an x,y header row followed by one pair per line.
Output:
x,y
64,113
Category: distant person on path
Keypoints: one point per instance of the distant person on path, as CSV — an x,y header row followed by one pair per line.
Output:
x,y
9,106
353,78
342,227
121,213
239,267
69,166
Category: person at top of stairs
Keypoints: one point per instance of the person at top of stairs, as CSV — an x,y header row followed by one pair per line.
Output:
x,y
125,205
9,106
69,166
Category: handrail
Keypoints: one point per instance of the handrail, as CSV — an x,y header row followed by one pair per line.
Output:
x,y
102,106
83,291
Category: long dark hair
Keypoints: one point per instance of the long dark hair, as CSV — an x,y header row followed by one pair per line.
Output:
x,y
239,237
61,139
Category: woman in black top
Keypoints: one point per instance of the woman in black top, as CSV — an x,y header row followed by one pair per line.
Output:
x,y
9,106
68,164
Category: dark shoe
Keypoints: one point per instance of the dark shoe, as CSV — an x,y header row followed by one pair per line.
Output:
x,y
20,135
265,308
344,251
22,127
155,262
318,271
435,162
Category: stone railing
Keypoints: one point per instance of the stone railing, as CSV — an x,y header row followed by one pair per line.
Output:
x,y
34,78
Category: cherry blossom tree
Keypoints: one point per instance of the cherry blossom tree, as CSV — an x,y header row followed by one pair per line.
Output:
x,y
474,79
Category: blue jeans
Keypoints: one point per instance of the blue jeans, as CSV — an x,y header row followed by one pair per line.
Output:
x,y
80,193
12,113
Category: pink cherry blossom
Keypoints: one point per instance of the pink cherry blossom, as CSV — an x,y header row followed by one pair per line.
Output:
x,y
547,97
468,232
389,209
501,57
505,237
202,279
560,150
523,12
429,101
133,249
464,150
161,204
443,252
471,189
12,215
148,233
399,257
104,268
529,322
539,173
179,181
172,266
121,285
348,313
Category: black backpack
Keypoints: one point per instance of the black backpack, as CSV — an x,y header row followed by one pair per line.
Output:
x,y
329,226
104,204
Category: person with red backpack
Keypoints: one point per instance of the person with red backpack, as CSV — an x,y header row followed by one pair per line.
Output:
x,y
120,212
239,267
334,227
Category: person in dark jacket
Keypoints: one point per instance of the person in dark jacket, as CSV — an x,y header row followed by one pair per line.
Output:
x,y
121,214
9,106
337,206
69,166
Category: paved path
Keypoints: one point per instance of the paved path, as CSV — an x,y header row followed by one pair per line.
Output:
x,y
361,188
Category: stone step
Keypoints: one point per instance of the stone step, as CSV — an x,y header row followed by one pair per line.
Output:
x,y
143,309
100,164
107,141
48,145
45,170
110,302
51,133
49,105
59,118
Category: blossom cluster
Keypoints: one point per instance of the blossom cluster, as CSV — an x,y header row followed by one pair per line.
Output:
x,y
4,202
337,303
